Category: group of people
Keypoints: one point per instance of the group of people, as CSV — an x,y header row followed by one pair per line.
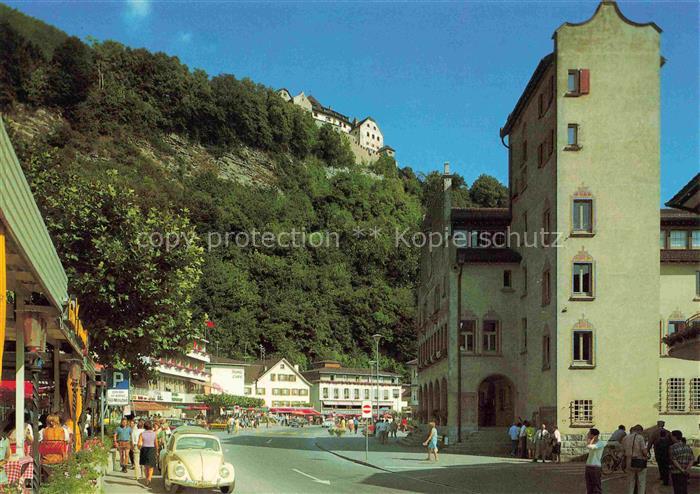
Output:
x,y
673,456
139,444
385,427
535,443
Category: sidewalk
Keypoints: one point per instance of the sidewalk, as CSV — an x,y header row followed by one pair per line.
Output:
x,y
125,483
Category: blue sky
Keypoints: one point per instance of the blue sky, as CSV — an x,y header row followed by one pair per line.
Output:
x,y
439,77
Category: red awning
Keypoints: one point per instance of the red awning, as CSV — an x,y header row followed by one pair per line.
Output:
x,y
10,386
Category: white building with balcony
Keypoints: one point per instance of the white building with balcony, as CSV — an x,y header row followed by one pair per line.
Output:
x,y
341,390
278,382
179,379
227,376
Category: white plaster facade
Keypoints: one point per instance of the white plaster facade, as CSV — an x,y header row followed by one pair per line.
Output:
x,y
277,382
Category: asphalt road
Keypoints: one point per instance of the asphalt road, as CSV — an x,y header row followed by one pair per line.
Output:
x,y
285,460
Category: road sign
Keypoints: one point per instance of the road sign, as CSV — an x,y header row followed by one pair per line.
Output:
x,y
118,380
366,409
117,397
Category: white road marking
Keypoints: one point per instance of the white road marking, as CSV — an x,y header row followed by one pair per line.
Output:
x,y
327,482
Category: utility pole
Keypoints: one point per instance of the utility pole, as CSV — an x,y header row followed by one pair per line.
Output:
x,y
376,338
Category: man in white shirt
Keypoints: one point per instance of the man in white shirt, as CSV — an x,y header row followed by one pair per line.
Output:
x,y
541,440
136,430
523,440
514,434
594,471
556,446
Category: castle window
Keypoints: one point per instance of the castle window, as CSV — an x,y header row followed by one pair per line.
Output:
x,y
507,278
490,337
583,216
572,137
572,82
524,151
695,394
583,348
546,295
581,413
662,239
583,279
524,281
674,326
545,352
467,335
523,338
675,394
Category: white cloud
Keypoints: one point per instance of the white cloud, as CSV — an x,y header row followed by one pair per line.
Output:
x,y
137,9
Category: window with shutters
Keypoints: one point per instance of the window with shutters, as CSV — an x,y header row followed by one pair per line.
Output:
x,y
578,82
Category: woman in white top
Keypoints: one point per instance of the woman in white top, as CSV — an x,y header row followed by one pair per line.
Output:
x,y
135,434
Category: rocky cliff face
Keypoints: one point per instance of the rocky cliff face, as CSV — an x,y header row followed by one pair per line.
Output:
x,y
172,152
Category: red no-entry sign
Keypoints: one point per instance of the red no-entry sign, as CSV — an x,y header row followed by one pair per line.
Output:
x,y
366,409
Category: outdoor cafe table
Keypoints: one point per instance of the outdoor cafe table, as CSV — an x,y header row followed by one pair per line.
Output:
x,y
13,469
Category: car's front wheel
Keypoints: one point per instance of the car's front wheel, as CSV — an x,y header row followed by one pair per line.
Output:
x,y
169,486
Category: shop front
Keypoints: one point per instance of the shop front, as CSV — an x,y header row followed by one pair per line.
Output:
x,y
44,352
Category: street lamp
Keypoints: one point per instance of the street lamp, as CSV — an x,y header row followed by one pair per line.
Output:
x,y
376,338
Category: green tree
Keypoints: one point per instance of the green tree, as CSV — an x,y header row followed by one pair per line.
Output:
x,y
488,192
333,149
71,73
136,290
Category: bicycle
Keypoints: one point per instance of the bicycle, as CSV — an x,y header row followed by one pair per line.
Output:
x,y
613,461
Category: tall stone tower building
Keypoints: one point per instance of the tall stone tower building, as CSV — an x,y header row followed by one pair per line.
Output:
x,y
559,327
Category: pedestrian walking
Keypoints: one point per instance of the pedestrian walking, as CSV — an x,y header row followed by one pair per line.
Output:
x,y
137,429
148,444
523,440
514,434
229,424
122,441
236,425
132,426
636,455
661,447
530,431
656,433
356,424
681,457
431,442
594,471
394,428
556,445
541,441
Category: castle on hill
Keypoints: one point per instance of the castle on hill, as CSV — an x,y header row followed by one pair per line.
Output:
x,y
365,136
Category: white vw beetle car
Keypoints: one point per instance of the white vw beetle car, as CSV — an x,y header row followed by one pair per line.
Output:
x,y
194,458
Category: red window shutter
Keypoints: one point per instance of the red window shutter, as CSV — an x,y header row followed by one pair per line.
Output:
x,y
584,81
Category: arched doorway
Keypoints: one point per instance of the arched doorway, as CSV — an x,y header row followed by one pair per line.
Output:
x,y
496,401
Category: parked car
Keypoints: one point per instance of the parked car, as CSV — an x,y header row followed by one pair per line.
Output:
x,y
193,457
175,423
328,423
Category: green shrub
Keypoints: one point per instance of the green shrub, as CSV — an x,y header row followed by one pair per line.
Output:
x,y
80,474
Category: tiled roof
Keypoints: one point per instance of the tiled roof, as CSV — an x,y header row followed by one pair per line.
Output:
x,y
481,216
317,106
314,374
224,361
679,217
687,197
527,93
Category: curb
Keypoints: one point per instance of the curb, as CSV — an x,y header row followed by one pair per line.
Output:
x,y
359,462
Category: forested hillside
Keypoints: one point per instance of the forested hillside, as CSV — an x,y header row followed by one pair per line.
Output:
x,y
121,143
